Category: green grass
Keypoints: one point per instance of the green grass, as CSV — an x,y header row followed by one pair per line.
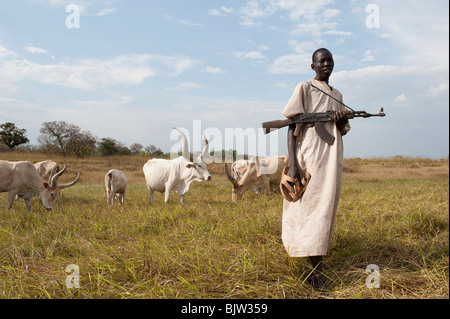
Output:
x,y
393,213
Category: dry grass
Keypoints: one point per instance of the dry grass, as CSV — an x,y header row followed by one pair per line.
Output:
x,y
393,213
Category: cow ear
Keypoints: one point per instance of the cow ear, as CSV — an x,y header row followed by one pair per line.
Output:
x,y
190,165
46,185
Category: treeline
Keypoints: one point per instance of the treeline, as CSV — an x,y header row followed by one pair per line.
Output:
x,y
62,138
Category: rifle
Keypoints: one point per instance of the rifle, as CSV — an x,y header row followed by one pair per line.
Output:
x,y
315,119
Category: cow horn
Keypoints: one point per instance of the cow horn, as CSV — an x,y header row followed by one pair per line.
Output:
x,y
206,147
69,184
231,178
54,178
185,148
255,161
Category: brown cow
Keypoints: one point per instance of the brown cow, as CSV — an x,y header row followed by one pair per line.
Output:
x,y
260,172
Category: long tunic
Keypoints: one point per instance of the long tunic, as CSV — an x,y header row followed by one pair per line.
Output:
x,y
307,224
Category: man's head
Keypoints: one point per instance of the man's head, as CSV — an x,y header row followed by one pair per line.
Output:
x,y
322,64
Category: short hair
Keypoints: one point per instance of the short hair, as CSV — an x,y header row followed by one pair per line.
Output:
x,y
319,50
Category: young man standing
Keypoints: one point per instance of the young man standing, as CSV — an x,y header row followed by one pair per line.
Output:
x,y
308,222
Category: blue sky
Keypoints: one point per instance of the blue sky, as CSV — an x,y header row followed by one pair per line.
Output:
x,y
135,69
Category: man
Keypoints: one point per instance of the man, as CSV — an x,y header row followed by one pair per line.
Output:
x,y
308,222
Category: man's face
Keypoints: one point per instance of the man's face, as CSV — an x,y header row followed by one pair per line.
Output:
x,y
323,64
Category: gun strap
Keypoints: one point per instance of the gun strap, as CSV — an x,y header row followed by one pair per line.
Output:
x,y
331,96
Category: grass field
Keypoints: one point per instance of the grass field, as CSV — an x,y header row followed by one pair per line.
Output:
x,y
393,213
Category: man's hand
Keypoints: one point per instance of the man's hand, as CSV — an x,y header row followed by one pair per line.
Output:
x,y
294,171
341,121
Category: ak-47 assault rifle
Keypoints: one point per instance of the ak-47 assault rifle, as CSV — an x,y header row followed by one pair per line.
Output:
x,y
316,119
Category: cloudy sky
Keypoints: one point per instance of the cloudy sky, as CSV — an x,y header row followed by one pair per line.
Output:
x,y
134,69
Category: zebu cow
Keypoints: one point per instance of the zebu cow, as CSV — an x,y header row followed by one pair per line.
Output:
x,y
176,174
116,184
260,172
22,179
238,170
47,169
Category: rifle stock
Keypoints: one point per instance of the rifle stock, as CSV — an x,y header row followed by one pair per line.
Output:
x,y
275,125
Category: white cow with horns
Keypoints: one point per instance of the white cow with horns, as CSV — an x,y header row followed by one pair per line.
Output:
x,y
176,174
22,179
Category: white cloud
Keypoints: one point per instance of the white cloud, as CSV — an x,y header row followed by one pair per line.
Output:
x,y
33,49
210,69
311,18
304,47
336,32
368,56
298,62
226,10
184,86
401,98
306,10
252,55
222,11
105,12
421,30
5,53
190,23
291,64
91,74
312,29
215,12
87,7
252,11
114,103
391,86
435,91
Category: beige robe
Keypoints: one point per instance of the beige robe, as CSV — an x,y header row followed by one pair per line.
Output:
x,y
308,223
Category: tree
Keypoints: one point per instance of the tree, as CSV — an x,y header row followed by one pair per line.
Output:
x,y
107,146
12,136
153,151
150,149
135,148
66,139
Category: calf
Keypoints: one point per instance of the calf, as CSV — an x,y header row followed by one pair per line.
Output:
x,y
116,184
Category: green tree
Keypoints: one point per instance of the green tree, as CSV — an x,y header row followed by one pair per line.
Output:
x,y
108,146
12,136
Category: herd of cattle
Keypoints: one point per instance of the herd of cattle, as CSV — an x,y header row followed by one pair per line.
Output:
x,y
25,180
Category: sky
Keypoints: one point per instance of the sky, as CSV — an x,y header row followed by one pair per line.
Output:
x,y
132,70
